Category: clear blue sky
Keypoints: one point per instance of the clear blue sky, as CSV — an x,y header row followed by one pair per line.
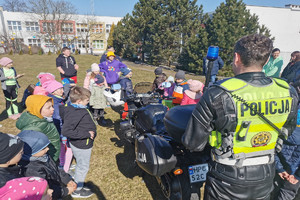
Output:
x,y
120,8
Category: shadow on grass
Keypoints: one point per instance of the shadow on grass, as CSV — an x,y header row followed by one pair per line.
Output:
x,y
129,168
94,188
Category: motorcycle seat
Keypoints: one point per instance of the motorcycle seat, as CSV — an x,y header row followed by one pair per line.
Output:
x,y
176,120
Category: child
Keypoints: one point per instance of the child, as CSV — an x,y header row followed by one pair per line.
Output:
x,y
10,85
113,95
97,100
29,188
80,128
160,78
39,118
55,91
27,92
111,68
127,90
192,95
68,84
180,86
168,86
11,150
36,162
43,78
90,75
287,164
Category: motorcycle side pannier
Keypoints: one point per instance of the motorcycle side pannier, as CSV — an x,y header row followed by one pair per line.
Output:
x,y
177,119
154,155
149,119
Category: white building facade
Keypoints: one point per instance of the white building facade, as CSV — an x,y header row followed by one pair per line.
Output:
x,y
284,25
86,33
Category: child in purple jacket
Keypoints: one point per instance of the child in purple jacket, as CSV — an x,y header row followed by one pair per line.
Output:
x,y
111,68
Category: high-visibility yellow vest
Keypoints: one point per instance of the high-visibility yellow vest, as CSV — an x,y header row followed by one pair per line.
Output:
x,y
253,136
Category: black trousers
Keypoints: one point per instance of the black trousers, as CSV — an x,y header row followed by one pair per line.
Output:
x,y
98,113
11,94
226,182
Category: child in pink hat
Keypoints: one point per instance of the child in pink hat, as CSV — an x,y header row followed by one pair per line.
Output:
x,y
10,85
31,188
194,93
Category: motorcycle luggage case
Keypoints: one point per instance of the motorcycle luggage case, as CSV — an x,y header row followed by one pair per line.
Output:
x,y
154,155
149,119
176,120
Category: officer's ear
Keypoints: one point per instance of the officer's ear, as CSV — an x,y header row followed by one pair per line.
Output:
x,y
237,59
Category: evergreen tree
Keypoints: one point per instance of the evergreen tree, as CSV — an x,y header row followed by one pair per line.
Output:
x,y
110,40
125,37
230,22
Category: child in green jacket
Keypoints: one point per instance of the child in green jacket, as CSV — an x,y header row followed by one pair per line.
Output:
x,y
39,118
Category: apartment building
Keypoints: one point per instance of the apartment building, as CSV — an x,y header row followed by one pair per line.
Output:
x,y
86,33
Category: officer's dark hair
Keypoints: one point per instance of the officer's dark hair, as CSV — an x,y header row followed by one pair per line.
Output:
x,y
65,48
109,47
276,49
295,53
254,49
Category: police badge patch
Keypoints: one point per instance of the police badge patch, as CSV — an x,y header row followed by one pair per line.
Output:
x,y
261,139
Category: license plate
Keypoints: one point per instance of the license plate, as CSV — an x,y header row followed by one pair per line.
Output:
x,y
198,172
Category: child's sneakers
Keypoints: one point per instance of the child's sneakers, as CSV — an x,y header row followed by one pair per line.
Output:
x,y
83,193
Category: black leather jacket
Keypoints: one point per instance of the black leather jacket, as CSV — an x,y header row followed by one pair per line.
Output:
x,y
216,111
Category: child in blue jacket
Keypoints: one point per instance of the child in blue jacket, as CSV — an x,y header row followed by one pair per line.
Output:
x,y
288,166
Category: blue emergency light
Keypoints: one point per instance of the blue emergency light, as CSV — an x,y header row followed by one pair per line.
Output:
x,y
212,53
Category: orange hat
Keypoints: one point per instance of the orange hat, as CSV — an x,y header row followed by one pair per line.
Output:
x,y
35,103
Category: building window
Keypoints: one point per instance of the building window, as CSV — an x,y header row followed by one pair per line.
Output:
x,y
81,44
14,25
32,26
49,43
48,27
67,27
97,28
108,26
98,44
34,42
81,28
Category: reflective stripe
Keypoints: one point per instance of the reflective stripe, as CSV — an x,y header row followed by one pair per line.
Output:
x,y
254,137
247,162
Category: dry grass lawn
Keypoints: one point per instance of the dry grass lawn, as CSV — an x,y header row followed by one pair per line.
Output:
x,y
113,173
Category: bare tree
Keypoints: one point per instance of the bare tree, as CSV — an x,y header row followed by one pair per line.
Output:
x,y
84,30
56,17
15,5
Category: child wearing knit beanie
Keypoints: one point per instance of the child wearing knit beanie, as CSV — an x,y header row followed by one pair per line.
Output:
x,y
39,118
36,162
160,77
97,99
194,93
10,85
11,149
56,92
90,75
29,188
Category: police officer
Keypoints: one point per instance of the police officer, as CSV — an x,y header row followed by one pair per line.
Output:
x,y
227,117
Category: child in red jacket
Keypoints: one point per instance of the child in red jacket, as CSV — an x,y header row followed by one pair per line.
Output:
x,y
192,95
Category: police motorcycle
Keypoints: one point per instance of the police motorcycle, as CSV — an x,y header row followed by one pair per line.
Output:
x,y
148,114
158,148
156,134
